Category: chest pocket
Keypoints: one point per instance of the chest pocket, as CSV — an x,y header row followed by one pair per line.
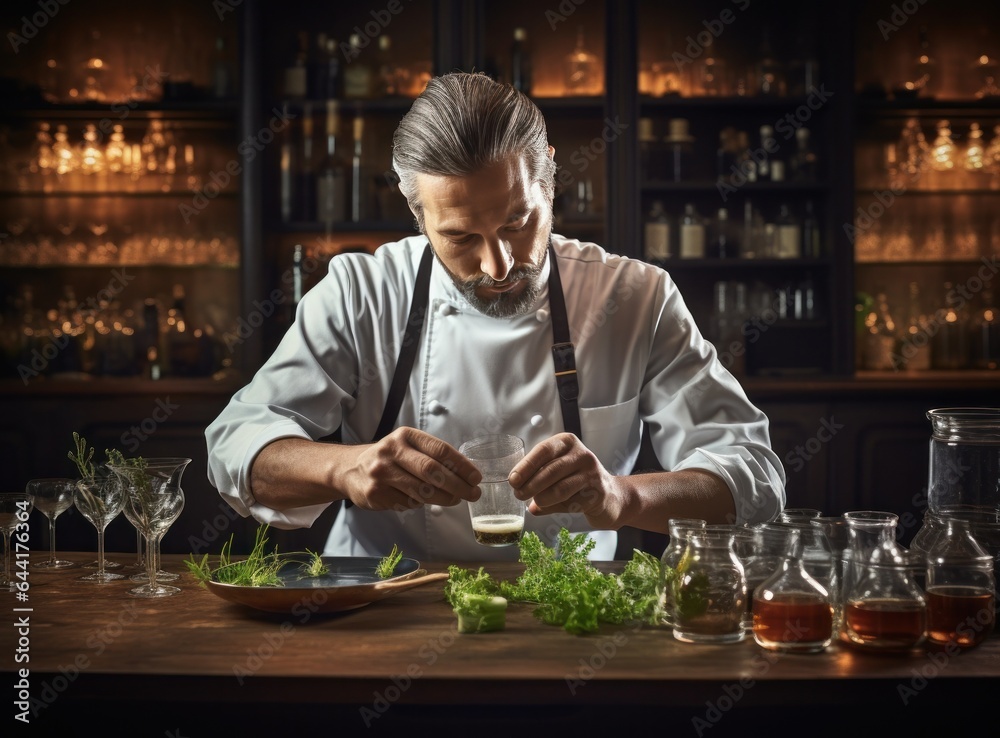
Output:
x,y
613,433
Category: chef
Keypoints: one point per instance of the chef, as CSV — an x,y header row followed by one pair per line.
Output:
x,y
489,322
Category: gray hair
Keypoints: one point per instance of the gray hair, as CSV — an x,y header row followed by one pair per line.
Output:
x,y
463,122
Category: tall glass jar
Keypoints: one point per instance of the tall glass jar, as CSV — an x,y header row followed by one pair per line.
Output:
x,y
792,611
679,529
712,590
964,458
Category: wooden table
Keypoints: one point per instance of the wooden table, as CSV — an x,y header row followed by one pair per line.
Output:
x,y
188,664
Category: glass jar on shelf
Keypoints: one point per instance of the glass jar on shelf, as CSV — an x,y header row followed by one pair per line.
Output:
x,y
583,69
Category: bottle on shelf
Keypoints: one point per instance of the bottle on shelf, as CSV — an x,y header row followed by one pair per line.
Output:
x,y
692,232
745,164
723,244
768,72
650,152
680,150
880,335
332,183
296,79
520,61
180,344
583,71
803,162
304,171
286,174
812,246
359,180
950,347
788,235
391,76
727,154
657,234
974,158
767,156
359,77
804,299
986,334
223,76
914,353
923,80
327,74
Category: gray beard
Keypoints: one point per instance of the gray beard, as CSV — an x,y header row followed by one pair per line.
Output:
x,y
504,305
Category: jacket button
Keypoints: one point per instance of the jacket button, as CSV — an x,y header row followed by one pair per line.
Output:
x,y
536,420
446,309
542,315
435,408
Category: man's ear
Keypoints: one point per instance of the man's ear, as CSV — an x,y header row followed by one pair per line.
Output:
x,y
552,151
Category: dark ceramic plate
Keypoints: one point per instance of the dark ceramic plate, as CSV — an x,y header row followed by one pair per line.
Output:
x,y
351,583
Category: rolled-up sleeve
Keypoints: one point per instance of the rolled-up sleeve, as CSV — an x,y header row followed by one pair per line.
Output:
x,y
700,417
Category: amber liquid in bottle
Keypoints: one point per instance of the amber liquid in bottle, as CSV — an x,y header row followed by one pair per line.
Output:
x,y
792,618
888,624
964,616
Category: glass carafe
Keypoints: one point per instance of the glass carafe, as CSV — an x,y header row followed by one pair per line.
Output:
x,y
883,606
964,459
712,590
792,611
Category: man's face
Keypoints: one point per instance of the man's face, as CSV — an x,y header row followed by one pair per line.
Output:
x,y
490,231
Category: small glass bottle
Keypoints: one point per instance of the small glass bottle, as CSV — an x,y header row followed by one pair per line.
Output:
x,y
768,147
915,346
680,151
788,239
803,161
679,530
657,234
943,156
722,244
880,336
692,234
770,541
884,608
712,590
961,590
792,611
520,61
650,152
583,72
950,347
986,334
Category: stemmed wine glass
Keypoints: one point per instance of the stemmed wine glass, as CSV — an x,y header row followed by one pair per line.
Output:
x,y
14,510
100,498
52,497
154,500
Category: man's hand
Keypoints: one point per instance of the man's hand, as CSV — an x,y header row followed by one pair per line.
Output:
x,y
406,469
560,475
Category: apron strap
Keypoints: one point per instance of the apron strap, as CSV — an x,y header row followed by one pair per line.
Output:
x,y
563,356
408,351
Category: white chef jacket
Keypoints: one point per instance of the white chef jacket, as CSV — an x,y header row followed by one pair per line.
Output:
x,y
641,360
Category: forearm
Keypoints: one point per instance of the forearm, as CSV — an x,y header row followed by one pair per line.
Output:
x,y
295,472
651,500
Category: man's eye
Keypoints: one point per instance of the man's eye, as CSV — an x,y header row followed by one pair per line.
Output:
x,y
518,228
463,241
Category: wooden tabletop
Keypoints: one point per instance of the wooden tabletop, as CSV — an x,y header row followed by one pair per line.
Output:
x,y
93,648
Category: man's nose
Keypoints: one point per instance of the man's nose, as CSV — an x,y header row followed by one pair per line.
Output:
x,y
497,259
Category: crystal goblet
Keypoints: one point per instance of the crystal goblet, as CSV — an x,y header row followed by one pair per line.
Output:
x,y
14,510
100,499
52,497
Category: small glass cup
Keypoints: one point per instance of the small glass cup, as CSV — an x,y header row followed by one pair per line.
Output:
x,y
497,516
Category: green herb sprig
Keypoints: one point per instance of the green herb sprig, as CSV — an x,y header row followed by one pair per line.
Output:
x,y
565,587
259,569
387,565
82,457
